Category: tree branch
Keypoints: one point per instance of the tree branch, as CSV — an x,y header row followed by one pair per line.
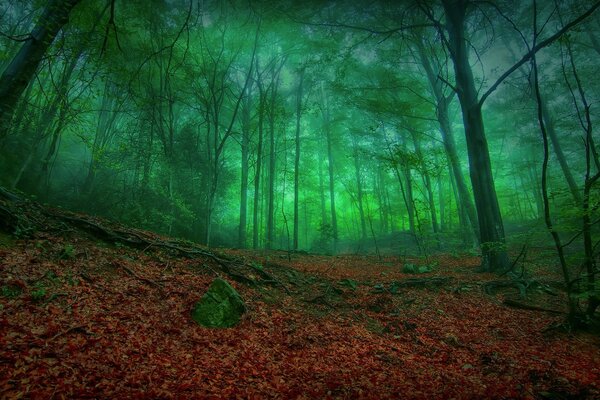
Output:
x,y
537,48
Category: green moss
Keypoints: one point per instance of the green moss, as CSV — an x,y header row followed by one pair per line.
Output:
x,y
220,307
10,291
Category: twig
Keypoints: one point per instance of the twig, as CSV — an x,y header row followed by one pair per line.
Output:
x,y
71,329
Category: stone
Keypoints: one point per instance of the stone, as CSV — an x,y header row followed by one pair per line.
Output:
x,y
220,307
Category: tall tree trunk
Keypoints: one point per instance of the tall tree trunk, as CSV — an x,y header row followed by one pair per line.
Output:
x,y
258,165
244,178
426,181
19,72
491,227
297,158
534,183
102,137
442,115
271,177
326,122
359,191
560,155
324,219
442,203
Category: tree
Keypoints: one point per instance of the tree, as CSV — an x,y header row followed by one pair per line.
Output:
x,y
18,73
299,100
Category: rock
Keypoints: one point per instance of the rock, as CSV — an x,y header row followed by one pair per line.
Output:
x,y
409,268
220,307
416,269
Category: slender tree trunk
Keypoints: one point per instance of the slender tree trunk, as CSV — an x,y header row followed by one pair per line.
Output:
x,y
324,219
244,178
297,158
491,227
382,200
547,217
271,179
258,165
326,122
426,180
359,190
560,155
442,104
442,203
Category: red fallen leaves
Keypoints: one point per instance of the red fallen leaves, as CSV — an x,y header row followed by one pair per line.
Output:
x,y
116,336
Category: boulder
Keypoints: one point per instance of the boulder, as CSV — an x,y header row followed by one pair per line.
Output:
x,y
220,307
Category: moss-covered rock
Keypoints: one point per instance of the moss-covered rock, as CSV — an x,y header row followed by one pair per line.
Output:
x,y
220,307
409,268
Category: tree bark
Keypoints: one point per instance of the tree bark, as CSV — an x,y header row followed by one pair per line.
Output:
x,y
258,163
244,178
491,228
442,103
297,158
359,190
327,125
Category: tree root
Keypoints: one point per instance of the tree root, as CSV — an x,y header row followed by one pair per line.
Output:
x,y
491,287
524,306
522,285
21,215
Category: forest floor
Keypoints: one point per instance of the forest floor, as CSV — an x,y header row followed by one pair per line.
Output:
x,y
80,318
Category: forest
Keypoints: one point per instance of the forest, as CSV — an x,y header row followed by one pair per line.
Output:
x,y
316,199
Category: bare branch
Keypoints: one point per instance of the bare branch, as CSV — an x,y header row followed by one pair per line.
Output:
x,y
536,48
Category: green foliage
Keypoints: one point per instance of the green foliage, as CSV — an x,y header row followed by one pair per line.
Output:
x,y
67,252
10,291
257,266
39,292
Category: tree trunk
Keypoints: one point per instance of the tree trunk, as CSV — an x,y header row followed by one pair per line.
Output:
x,y
297,158
359,190
18,74
426,181
326,122
258,164
491,228
442,203
560,155
442,103
244,178
271,178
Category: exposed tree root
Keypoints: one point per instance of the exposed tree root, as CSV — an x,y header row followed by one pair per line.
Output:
x,y
18,215
522,285
490,288
524,306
